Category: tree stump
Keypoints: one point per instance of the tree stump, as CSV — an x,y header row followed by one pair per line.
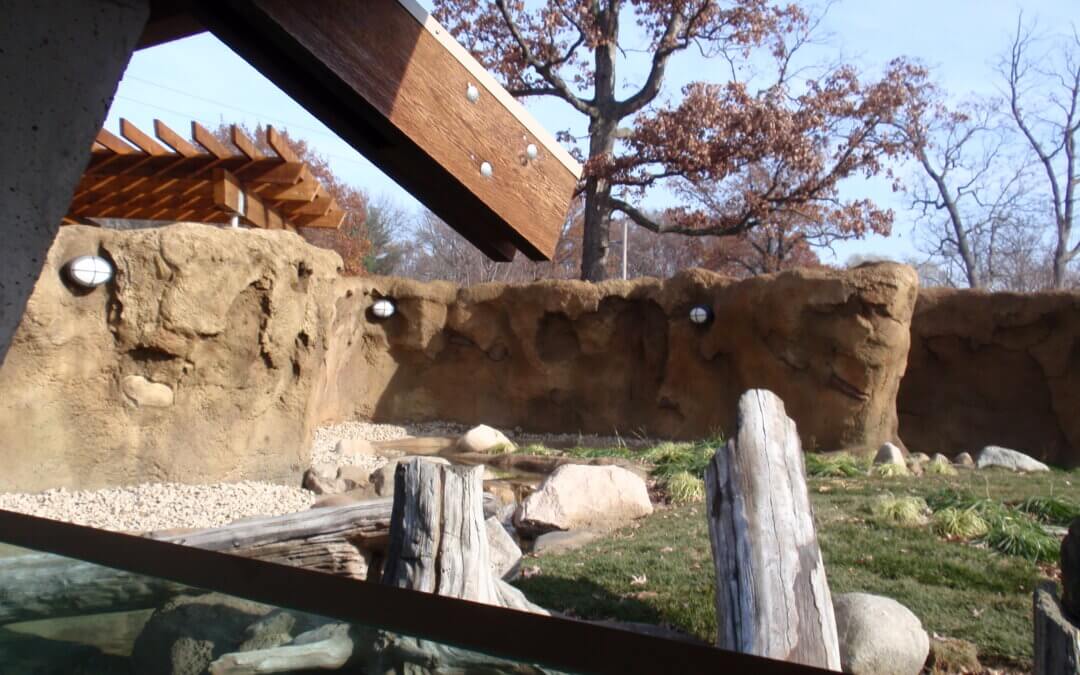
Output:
x,y
772,598
438,539
1057,639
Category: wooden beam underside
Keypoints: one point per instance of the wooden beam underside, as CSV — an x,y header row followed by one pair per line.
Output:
x,y
386,81
171,178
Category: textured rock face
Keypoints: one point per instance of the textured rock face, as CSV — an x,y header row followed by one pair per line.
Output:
x,y
194,365
994,369
623,356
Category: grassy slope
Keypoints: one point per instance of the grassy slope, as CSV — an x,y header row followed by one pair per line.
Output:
x,y
956,589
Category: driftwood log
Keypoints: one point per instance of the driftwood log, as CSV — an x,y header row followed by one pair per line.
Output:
x,y
438,544
337,540
772,598
438,539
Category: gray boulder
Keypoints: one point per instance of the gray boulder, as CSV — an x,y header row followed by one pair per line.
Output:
x,y
993,455
576,496
879,636
505,556
889,454
382,479
964,459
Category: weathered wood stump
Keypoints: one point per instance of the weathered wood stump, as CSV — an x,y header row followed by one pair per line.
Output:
x,y
1057,639
772,598
438,539
1070,572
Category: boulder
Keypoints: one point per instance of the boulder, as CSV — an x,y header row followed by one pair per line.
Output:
x,y
322,479
505,555
576,495
558,542
354,477
889,454
485,440
938,457
186,634
382,479
964,459
879,636
997,456
349,450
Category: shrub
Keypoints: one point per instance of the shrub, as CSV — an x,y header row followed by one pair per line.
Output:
x,y
955,523
840,465
900,511
684,488
941,468
1050,510
1020,536
890,470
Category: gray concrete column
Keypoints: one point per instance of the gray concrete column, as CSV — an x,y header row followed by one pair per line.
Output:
x,y
60,62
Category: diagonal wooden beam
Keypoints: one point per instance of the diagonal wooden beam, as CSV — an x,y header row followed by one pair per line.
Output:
x,y
174,140
142,141
280,146
244,143
114,143
207,140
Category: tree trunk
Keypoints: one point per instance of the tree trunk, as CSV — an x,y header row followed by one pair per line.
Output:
x,y
438,539
772,598
1057,639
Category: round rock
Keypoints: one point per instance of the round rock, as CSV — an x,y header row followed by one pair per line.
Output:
x,y
879,636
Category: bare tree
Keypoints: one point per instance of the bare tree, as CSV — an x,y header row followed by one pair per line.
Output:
x,y
1042,77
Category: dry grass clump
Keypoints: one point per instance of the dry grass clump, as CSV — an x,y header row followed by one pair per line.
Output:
x,y
957,523
890,470
685,488
900,511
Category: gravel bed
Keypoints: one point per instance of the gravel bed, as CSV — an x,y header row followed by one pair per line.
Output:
x,y
161,506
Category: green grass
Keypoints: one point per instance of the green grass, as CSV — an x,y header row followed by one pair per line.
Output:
x,y
677,467
954,523
899,511
1051,510
838,465
959,589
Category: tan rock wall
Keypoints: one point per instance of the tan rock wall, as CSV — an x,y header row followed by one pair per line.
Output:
x,y
994,369
623,356
195,364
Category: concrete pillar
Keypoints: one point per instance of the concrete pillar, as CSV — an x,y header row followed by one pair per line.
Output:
x,y
60,62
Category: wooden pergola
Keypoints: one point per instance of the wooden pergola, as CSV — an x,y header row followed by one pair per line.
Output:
x,y
138,177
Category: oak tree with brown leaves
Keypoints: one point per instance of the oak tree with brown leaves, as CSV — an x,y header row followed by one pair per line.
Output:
x,y
807,130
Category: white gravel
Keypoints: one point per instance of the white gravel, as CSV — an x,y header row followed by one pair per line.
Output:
x,y
164,506
161,506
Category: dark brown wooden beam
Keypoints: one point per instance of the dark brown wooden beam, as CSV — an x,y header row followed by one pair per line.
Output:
x,y
390,88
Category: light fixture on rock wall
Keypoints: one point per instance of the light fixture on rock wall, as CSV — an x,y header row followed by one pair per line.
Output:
x,y
89,271
701,315
383,308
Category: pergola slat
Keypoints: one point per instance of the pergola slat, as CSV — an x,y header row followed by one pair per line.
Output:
x,y
172,178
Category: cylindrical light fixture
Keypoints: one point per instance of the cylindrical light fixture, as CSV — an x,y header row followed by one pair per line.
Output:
x,y
383,308
701,315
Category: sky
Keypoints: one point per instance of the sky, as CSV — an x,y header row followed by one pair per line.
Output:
x,y
199,78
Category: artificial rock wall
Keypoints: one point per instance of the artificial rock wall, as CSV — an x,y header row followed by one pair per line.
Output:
x,y
195,364
994,369
215,353
623,356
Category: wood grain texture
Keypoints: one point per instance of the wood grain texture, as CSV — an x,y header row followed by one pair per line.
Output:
x,y
376,75
772,597
438,540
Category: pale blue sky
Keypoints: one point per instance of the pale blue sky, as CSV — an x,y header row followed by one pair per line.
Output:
x,y
199,78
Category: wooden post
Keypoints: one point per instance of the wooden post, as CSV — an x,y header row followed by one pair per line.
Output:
x,y
772,598
1057,639
438,539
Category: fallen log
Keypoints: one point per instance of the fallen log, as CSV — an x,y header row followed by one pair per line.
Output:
x,y
337,540
772,598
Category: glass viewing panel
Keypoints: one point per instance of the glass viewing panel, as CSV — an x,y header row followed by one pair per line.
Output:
x,y
65,616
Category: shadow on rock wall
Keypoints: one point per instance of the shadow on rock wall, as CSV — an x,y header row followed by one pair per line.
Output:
x,y
624,357
994,369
